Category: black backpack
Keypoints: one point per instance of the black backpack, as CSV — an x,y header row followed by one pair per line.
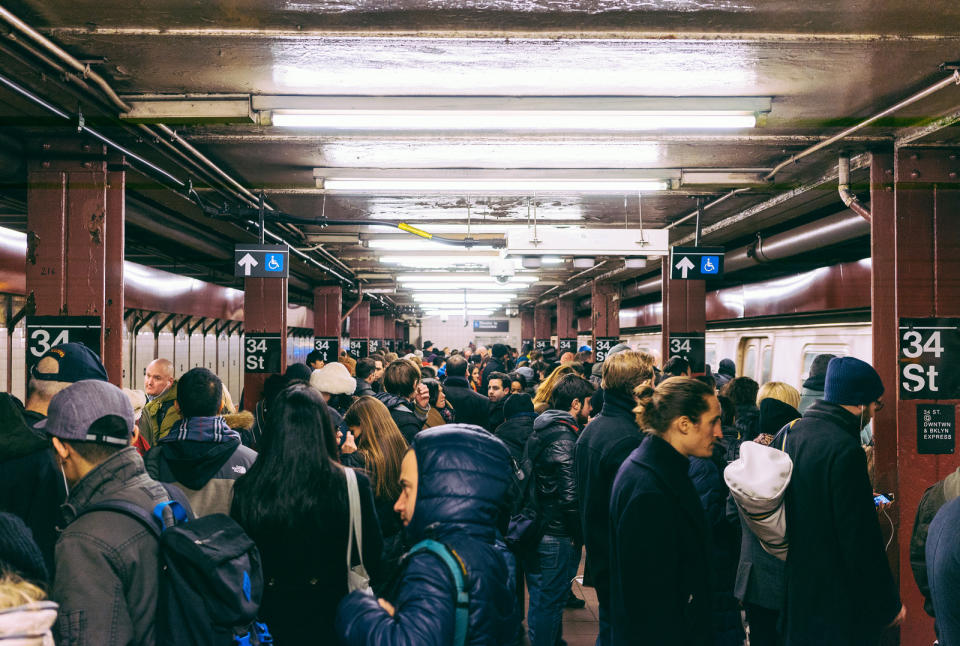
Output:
x,y
525,529
211,581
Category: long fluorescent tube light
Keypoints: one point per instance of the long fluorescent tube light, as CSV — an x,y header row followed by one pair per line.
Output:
x,y
457,299
455,312
489,287
440,262
504,185
458,278
414,244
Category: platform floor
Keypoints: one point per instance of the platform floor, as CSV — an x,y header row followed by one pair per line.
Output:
x,y
579,626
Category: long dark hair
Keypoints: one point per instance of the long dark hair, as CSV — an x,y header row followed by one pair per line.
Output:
x,y
296,475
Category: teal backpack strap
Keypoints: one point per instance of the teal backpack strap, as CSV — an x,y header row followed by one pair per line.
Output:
x,y
457,571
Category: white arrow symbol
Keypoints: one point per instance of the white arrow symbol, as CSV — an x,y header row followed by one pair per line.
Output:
x,y
248,262
684,266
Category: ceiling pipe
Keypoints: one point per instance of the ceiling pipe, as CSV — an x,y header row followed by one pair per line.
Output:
x,y
851,200
953,79
354,306
87,73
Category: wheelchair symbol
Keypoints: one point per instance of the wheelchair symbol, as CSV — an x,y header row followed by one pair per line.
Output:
x,y
274,262
709,265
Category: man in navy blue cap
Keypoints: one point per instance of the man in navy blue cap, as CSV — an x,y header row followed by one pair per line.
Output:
x,y
31,485
839,586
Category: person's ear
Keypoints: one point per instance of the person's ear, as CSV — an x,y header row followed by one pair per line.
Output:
x,y
60,448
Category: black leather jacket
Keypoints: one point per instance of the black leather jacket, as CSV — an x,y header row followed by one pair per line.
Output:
x,y
555,473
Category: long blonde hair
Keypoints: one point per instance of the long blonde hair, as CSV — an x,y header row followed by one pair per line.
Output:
x,y
545,390
781,391
380,444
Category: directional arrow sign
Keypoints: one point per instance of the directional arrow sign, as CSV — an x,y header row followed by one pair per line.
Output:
x,y
685,265
696,263
260,261
248,262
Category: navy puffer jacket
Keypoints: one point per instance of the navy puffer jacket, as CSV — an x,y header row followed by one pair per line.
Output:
x,y
464,474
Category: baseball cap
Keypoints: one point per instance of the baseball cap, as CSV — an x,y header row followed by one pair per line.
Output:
x,y
75,362
74,409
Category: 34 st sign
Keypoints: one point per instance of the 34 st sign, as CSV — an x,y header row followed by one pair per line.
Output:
x,y
929,352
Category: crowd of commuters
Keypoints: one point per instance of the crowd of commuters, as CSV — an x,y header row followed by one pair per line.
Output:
x,y
385,496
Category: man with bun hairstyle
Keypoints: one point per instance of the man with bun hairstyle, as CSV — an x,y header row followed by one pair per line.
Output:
x,y
839,586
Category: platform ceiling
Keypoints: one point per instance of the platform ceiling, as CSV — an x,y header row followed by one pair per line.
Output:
x,y
823,65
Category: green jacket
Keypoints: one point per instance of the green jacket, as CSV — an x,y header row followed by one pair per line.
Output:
x,y
933,499
159,416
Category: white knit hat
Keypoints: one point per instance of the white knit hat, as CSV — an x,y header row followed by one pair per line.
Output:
x,y
333,379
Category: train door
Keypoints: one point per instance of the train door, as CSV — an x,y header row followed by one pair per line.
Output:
x,y
755,358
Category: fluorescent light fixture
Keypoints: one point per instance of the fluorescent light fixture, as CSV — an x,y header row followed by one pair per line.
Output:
x,y
440,262
454,312
487,287
454,298
456,120
416,244
458,278
487,228
440,184
417,153
501,113
583,263
566,211
551,260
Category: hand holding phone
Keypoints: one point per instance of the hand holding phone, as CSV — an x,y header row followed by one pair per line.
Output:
x,y
883,499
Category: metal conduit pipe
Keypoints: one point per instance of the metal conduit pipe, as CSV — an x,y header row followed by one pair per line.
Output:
x,y
830,230
354,306
87,73
843,186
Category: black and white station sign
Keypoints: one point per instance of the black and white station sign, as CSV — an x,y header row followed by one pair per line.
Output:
x,y
929,355
691,346
262,352
45,332
328,346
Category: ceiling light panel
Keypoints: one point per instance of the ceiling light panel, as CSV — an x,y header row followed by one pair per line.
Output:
x,y
463,154
492,286
458,278
417,244
440,262
505,185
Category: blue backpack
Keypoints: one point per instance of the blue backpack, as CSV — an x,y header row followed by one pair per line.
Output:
x,y
457,571
211,581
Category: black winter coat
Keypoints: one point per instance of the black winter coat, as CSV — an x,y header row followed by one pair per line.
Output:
x,y
515,431
660,584
469,406
495,415
601,448
464,474
401,410
839,586
364,388
554,472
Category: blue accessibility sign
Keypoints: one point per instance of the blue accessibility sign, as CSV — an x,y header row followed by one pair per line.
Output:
x,y
709,264
273,262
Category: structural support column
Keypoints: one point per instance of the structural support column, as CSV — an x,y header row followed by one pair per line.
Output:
x,y
541,326
684,319
526,329
360,330
376,332
74,268
327,306
265,334
916,336
566,326
605,306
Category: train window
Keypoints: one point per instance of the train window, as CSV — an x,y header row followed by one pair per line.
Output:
x,y
766,362
810,352
756,358
710,356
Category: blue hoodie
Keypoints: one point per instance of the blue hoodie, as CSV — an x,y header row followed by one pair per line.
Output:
x,y
464,475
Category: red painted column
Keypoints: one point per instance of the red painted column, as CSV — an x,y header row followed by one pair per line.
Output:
x,y
541,326
264,311
113,284
924,274
70,240
376,332
684,310
526,328
360,329
327,305
566,326
605,306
